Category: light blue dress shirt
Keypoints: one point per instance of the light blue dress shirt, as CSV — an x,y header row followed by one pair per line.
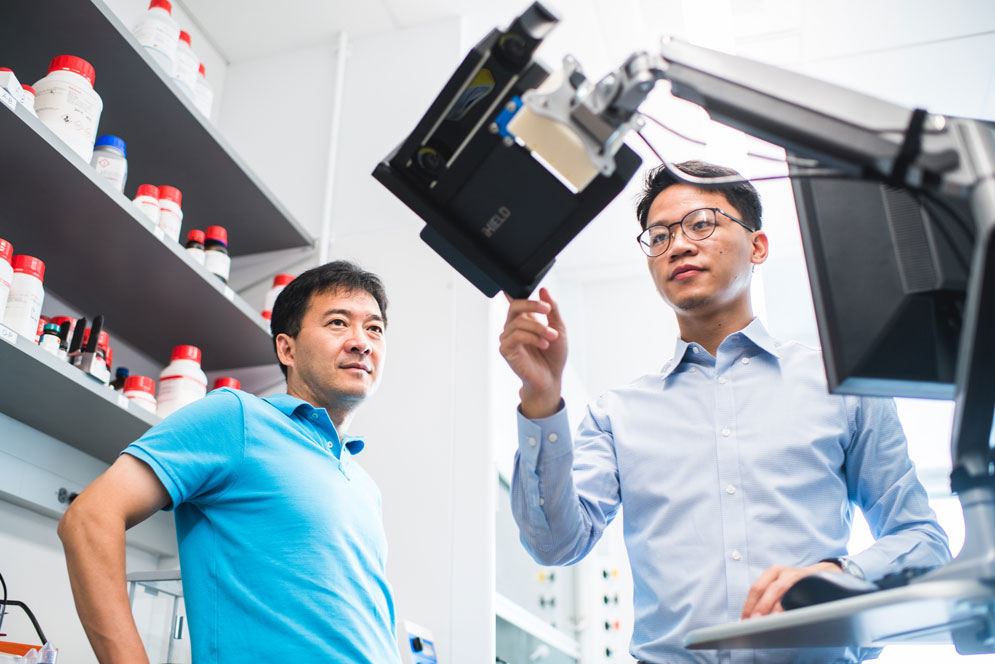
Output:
x,y
726,465
280,532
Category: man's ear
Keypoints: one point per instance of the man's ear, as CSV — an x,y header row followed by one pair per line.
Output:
x,y
285,349
760,247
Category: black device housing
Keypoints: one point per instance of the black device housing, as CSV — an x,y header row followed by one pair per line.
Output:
x,y
492,211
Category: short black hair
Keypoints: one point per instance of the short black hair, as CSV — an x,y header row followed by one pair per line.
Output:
x,y
295,298
743,195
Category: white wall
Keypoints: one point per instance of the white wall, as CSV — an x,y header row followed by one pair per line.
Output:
x,y
427,427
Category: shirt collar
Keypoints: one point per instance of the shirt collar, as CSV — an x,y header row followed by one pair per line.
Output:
x,y
289,406
755,333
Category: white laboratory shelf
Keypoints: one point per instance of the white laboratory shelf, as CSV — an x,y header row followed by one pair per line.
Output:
x,y
58,399
514,614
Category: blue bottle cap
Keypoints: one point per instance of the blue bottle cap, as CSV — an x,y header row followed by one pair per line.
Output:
x,y
112,141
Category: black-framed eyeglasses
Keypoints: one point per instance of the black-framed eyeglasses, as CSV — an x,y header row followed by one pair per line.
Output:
x,y
696,225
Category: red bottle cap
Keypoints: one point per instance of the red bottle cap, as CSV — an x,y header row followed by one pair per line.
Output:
x,y
218,234
73,64
227,381
162,3
29,265
103,340
29,88
139,384
171,194
186,353
201,70
42,322
59,320
6,250
148,190
195,236
282,279
110,356
7,69
185,37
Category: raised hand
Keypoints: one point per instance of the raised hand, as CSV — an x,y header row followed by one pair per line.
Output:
x,y
536,351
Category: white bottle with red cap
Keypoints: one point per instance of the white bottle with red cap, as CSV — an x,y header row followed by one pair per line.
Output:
x,y
216,258
28,99
185,65
66,103
203,97
170,213
159,34
140,390
280,282
227,381
27,294
182,382
6,273
147,201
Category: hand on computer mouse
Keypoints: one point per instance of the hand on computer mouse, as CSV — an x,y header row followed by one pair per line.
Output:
x,y
766,592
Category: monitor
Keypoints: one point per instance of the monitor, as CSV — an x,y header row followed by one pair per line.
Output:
x,y
888,277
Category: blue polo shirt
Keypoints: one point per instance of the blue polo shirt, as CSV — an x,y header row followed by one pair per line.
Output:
x,y
280,532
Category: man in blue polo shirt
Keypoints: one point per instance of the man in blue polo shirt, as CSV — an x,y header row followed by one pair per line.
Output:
x,y
280,532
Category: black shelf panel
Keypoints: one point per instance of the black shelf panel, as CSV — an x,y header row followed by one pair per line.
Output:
x,y
169,142
50,395
102,255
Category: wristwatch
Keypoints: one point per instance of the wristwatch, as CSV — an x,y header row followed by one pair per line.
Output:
x,y
845,564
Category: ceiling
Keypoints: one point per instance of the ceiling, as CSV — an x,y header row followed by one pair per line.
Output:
x,y
246,29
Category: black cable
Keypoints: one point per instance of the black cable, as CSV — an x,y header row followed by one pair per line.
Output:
x,y
672,130
3,604
923,196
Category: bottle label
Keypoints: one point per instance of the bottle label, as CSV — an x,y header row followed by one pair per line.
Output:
x,y
143,400
7,99
149,207
178,391
185,70
218,262
23,310
71,112
158,35
50,342
114,170
4,294
170,223
196,254
8,335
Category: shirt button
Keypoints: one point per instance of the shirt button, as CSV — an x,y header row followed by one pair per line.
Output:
x,y
730,489
542,501
736,555
746,360
693,369
553,437
314,416
722,380
726,432
532,441
694,349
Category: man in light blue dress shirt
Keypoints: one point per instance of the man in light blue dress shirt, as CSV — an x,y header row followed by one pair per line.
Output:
x,y
738,470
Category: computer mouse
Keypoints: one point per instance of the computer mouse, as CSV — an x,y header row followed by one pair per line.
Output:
x,y
824,587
